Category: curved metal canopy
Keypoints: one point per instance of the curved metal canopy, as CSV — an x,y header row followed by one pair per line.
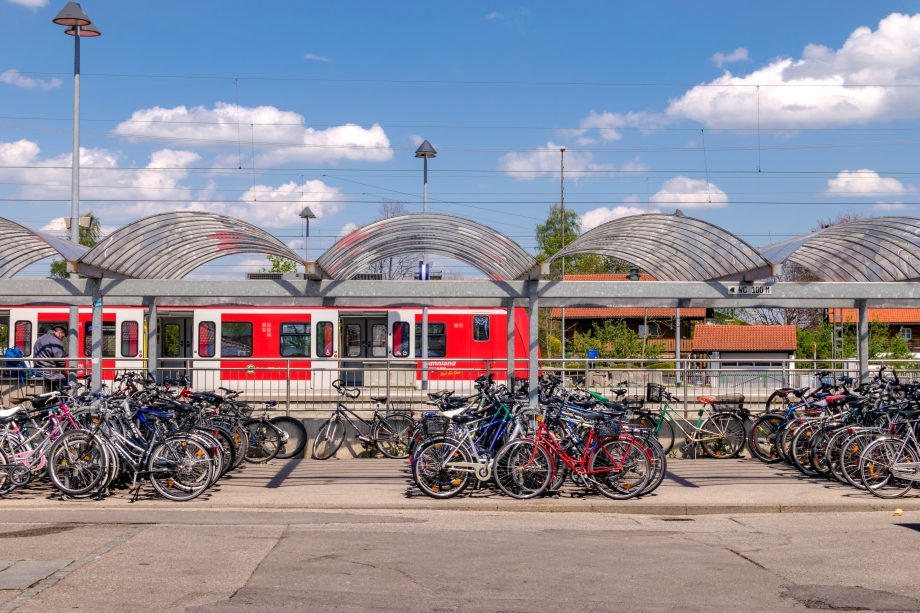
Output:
x,y
874,249
470,242
672,248
22,246
171,245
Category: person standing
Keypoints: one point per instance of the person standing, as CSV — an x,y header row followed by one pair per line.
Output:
x,y
50,345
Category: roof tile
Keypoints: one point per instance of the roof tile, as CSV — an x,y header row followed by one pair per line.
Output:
x,y
744,338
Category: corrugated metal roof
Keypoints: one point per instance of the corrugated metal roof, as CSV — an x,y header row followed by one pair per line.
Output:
x,y
621,313
744,338
470,242
22,246
606,277
671,248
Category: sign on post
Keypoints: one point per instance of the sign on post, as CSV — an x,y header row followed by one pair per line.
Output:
x,y
749,289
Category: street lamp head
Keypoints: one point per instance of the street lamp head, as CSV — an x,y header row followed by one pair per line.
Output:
x,y
562,149
306,213
425,150
85,31
72,15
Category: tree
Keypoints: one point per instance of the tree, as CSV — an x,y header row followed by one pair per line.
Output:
x,y
614,340
882,344
88,238
402,266
280,264
549,242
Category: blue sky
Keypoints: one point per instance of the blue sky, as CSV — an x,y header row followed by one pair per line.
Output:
x,y
656,103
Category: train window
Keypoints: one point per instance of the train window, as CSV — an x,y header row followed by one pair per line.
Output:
x,y
378,341
437,340
22,338
353,340
324,336
480,327
4,335
207,339
401,339
236,339
295,340
129,339
171,341
108,339
44,326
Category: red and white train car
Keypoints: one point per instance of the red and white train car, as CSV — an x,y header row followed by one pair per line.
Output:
x,y
240,344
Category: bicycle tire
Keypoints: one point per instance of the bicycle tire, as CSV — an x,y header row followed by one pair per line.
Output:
x,y
875,465
523,469
330,437
730,441
664,433
850,455
264,442
799,450
659,464
392,434
762,440
432,476
181,468
6,481
776,401
297,436
630,468
76,463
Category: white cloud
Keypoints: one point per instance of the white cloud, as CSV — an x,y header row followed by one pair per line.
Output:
x,y
494,15
316,58
738,55
13,77
544,161
279,207
690,194
601,215
278,136
32,4
864,181
606,123
348,229
416,139
889,206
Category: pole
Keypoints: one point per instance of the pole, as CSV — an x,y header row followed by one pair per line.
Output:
x,y
425,210
424,348
863,340
533,365
677,344
562,204
97,335
73,340
510,339
152,349
75,162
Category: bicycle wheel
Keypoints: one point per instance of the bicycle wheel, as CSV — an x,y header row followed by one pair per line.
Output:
x,y
659,463
431,473
883,465
664,433
850,454
817,447
762,440
777,404
329,438
76,463
799,450
181,468
723,436
6,481
296,436
264,441
620,468
392,434
523,469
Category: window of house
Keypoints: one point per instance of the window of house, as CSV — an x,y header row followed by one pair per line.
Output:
x,y
480,327
906,334
401,339
236,339
108,339
207,339
129,330
651,330
295,340
437,340
324,339
44,326
22,337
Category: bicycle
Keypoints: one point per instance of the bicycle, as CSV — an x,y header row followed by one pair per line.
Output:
x,y
390,435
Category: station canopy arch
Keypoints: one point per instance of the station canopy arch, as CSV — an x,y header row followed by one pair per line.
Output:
x,y
21,247
672,248
171,245
488,251
874,249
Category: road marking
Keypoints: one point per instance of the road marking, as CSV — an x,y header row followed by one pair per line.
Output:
x,y
41,586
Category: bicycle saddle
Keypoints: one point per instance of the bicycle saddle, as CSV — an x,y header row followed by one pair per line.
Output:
x,y
440,394
5,412
206,397
453,412
619,391
380,399
909,414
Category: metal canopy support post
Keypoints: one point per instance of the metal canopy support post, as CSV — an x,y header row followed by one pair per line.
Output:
x,y
533,365
424,349
97,335
510,338
152,349
863,333
677,347
73,342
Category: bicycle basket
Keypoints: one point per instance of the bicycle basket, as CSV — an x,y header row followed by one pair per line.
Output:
x,y
435,426
728,402
606,428
636,401
400,407
654,392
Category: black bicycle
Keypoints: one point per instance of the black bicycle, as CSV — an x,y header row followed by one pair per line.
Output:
x,y
390,434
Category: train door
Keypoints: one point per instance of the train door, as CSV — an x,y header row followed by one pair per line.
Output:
x,y
129,342
174,341
324,347
401,347
23,330
206,349
363,338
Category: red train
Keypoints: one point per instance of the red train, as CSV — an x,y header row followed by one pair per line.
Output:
x,y
462,343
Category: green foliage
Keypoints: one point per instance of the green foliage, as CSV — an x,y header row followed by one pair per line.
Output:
x,y
549,242
280,264
884,343
614,340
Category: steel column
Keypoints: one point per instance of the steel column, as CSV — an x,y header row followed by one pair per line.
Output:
x,y
533,363
73,343
97,335
152,349
75,162
863,333
510,339
424,349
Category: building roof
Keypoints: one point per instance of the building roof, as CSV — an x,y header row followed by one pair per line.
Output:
x,y
623,313
607,277
744,338
889,316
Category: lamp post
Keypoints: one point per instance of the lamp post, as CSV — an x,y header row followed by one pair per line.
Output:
x,y
306,214
425,151
562,205
78,25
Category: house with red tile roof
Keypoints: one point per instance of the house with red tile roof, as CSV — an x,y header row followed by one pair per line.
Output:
x,y
903,322
745,346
